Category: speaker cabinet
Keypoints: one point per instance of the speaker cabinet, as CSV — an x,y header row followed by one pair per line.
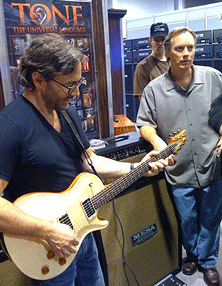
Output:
x,y
10,275
142,240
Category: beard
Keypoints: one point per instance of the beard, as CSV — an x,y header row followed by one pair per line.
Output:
x,y
54,101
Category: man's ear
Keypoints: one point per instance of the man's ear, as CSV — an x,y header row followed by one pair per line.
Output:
x,y
38,79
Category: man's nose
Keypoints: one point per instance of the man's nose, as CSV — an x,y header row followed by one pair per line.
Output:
x,y
185,51
160,42
75,92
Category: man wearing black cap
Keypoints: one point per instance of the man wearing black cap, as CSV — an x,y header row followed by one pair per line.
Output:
x,y
155,64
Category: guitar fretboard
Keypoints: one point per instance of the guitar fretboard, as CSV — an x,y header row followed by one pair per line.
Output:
x,y
125,181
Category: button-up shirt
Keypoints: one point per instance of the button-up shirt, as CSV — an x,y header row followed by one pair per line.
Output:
x,y
167,107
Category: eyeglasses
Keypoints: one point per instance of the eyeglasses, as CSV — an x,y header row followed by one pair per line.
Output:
x,y
72,87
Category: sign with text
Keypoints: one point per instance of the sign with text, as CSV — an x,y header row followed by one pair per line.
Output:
x,y
26,19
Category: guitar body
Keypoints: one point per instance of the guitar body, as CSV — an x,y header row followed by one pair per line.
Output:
x,y
31,255
76,207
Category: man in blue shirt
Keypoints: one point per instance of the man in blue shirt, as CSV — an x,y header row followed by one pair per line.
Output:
x,y
38,153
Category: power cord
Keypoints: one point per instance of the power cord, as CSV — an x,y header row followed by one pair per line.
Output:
x,y
125,262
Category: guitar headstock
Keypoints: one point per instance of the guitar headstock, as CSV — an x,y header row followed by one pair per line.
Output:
x,y
178,140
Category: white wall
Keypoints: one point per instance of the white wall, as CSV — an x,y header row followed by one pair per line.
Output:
x,y
206,17
142,8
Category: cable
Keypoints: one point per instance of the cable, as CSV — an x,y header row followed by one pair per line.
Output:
x,y
123,246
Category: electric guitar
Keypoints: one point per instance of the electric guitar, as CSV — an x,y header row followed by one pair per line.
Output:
x,y
76,207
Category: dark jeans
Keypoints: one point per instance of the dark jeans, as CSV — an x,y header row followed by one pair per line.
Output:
x,y
200,210
85,269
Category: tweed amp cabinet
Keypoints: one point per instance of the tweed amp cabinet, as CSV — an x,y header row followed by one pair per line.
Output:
x,y
142,243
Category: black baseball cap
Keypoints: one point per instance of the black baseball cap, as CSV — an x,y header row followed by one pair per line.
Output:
x,y
159,30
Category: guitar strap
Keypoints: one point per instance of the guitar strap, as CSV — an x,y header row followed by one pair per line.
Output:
x,y
76,137
78,140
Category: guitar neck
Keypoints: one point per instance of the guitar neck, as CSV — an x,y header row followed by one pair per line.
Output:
x,y
125,181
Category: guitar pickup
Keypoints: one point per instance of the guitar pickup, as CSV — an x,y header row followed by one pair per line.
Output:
x,y
88,207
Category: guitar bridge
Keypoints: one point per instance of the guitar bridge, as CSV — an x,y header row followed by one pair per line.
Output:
x,y
88,207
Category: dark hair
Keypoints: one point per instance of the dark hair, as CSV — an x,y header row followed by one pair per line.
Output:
x,y
49,54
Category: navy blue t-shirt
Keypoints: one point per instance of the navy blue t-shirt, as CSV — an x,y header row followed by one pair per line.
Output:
x,y
34,156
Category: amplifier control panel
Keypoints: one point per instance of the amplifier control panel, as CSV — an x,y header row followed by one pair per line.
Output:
x,y
124,146
127,152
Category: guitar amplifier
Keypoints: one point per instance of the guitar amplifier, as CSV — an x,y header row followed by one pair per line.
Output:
x,y
142,241
124,146
204,51
218,51
140,55
12,276
128,57
218,36
141,44
204,37
127,45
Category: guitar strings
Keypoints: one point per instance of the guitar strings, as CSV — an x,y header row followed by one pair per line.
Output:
x,y
111,191
123,182
117,186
